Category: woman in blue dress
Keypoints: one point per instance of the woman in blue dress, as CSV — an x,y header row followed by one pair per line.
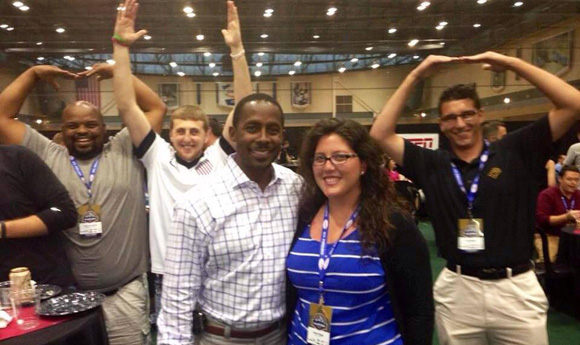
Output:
x,y
358,267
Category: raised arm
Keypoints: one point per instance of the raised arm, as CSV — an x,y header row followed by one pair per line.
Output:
x,y
383,129
564,97
14,95
242,80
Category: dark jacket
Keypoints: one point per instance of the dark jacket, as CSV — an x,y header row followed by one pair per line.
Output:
x,y
408,278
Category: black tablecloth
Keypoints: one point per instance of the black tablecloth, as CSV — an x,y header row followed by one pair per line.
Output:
x,y
569,254
85,329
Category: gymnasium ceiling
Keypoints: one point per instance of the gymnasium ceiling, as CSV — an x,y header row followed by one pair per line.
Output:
x,y
298,30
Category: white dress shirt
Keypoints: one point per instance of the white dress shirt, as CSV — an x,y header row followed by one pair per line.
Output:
x,y
227,248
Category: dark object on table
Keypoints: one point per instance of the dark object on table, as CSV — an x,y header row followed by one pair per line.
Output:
x,y
84,329
73,303
48,291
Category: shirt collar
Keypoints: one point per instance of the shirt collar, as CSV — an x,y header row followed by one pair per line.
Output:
x,y
239,178
187,164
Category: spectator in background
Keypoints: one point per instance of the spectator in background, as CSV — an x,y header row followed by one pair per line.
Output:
x,y
34,209
493,130
573,155
215,129
558,206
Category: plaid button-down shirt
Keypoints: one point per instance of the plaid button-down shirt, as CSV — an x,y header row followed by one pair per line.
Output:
x,y
227,248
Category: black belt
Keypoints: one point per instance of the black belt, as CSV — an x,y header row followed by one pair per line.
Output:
x,y
490,273
250,334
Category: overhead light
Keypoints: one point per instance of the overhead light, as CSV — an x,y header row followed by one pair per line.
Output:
x,y
316,37
39,121
330,13
259,64
441,43
264,35
188,9
392,55
476,25
147,37
111,62
38,43
392,30
181,74
375,65
190,15
342,69
413,42
481,2
173,64
88,68
17,4
69,58
200,37
332,9
423,5
423,114
415,57
354,59
40,58
369,49
215,74
439,27
507,100
260,54
291,72
60,30
24,8
10,28
257,73
518,3
211,64
267,15
207,54
298,63
3,26
120,8
443,23
269,10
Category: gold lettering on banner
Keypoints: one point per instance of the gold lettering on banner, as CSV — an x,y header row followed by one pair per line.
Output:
x,y
494,172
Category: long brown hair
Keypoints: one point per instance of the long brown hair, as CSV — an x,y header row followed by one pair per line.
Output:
x,y
378,199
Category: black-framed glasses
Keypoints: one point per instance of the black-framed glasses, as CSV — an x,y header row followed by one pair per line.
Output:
x,y
466,116
335,158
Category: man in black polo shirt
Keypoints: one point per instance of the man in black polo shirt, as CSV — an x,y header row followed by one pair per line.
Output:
x,y
481,199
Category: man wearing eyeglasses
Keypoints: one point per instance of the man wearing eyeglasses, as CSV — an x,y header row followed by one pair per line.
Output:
x,y
481,198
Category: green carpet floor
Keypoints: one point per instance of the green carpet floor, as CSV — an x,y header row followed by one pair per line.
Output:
x,y
562,328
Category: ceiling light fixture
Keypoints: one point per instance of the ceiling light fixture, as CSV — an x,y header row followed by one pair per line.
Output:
x,y
375,65
188,9
181,74
298,63
443,23
291,72
39,121
10,28
264,35
212,64
476,25
173,64
38,43
423,114
257,73
267,15
392,55
147,37
190,15
415,57
342,69
24,8
215,74
260,54
88,68
423,5
259,64
269,10
316,37
111,62
200,37
354,60
40,58
392,30
439,27
369,49
518,3
481,2
413,42
3,26
207,54
507,100
60,30
17,4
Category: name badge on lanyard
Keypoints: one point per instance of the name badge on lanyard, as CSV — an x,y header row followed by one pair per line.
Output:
x,y
320,316
470,234
90,224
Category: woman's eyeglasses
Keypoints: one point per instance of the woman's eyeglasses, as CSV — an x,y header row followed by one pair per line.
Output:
x,y
335,158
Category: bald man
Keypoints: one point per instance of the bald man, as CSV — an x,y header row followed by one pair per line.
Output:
x,y
108,246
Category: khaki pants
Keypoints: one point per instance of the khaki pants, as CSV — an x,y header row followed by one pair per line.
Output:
x,y
277,337
470,311
126,314
553,243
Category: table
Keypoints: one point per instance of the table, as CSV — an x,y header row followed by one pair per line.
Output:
x,y
87,328
569,253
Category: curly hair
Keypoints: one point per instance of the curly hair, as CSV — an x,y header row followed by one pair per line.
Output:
x,y
378,199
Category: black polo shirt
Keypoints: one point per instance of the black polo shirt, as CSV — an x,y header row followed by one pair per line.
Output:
x,y
506,199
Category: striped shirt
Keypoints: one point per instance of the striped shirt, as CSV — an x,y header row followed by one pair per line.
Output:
x,y
227,250
354,287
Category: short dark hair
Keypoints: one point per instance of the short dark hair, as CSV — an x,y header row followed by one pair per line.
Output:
x,y
457,92
567,168
255,97
215,126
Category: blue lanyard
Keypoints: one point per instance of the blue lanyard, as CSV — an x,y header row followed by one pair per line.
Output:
x,y
475,185
93,172
572,204
324,259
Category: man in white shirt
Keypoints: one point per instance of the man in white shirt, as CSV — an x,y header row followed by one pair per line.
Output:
x,y
173,168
